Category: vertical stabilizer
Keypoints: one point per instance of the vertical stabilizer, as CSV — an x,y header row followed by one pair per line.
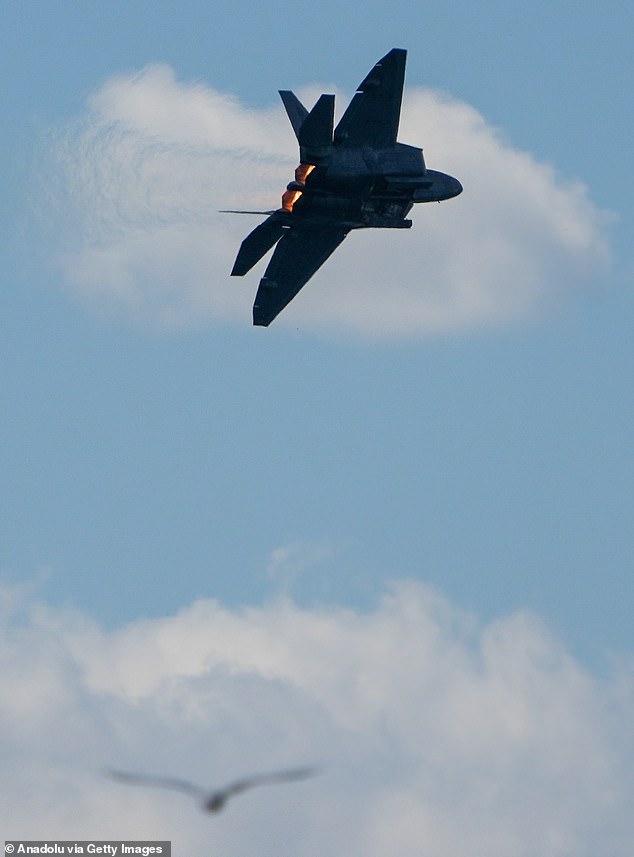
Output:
x,y
315,134
314,130
294,108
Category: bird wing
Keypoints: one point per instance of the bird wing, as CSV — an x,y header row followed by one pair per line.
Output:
x,y
265,779
159,782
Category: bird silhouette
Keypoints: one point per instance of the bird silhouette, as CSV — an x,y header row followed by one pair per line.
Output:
x,y
213,801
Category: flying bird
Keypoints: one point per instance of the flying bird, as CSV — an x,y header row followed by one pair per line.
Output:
x,y
215,800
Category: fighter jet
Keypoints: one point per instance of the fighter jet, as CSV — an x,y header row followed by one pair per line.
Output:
x,y
215,800
354,176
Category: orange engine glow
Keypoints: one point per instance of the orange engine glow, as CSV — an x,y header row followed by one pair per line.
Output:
x,y
290,197
303,171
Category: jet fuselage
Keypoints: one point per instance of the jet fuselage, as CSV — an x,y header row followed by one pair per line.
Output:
x,y
367,187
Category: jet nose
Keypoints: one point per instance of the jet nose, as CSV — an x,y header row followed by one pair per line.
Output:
x,y
455,187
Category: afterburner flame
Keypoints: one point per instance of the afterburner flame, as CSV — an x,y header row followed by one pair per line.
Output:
x,y
290,197
302,172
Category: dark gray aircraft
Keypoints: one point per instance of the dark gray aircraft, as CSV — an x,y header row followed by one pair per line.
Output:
x,y
354,176
213,801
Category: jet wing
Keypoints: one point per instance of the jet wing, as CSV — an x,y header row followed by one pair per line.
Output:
x,y
300,252
372,116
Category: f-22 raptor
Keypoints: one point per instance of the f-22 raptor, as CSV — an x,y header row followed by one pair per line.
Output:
x,y
354,176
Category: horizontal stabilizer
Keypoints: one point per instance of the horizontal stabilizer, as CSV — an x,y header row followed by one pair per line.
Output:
x,y
294,108
244,211
259,242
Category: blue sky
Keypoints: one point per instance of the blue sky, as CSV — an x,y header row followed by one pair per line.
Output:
x,y
157,451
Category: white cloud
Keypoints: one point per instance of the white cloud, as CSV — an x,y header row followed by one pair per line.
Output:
x,y
436,735
290,561
142,176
